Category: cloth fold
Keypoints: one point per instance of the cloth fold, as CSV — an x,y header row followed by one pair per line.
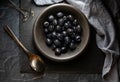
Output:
x,y
100,19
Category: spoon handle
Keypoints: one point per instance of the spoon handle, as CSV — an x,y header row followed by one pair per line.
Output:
x,y
13,36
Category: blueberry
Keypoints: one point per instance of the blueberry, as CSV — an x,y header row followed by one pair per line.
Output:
x,y
49,35
51,28
64,18
61,22
70,17
72,46
53,46
73,36
64,33
57,51
63,49
48,41
46,30
60,36
66,25
58,28
69,31
78,29
57,43
67,40
46,24
55,22
78,38
75,22
59,14
54,34
51,18
63,28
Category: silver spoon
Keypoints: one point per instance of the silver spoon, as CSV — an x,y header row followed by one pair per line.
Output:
x,y
36,62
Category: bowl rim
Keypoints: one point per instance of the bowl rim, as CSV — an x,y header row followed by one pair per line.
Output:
x,y
35,38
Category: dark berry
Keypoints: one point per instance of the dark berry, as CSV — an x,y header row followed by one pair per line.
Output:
x,y
50,28
55,22
69,24
66,25
54,34
57,43
78,29
75,22
67,40
58,28
69,31
73,36
64,18
61,22
51,18
46,30
72,46
49,35
70,17
59,14
64,33
48,41
60,36
46,24
57,51
53,46
78,38
63,49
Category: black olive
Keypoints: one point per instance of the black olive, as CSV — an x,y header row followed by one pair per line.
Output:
x,y
51,28
72,46
46,24
59,14
58,28
51,18
57,43
70,17
55,22
57,51
48,41
78,38
63,49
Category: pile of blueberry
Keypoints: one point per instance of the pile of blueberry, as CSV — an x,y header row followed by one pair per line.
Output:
x,y
63,32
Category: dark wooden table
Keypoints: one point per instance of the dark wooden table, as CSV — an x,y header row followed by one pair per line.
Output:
x,y
10,53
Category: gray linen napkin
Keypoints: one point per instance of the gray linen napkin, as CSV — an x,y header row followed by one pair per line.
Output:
x,y
105,38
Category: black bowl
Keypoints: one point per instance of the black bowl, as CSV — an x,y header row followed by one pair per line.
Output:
x,y
39,35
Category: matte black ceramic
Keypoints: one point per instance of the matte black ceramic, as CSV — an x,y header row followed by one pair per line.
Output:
x,y
39,36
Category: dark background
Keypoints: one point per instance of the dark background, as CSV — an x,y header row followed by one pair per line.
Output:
x,y
10,53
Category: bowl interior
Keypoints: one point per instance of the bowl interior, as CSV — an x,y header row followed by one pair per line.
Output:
x,y
39,36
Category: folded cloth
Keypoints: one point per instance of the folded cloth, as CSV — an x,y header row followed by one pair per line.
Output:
x,y
106,40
